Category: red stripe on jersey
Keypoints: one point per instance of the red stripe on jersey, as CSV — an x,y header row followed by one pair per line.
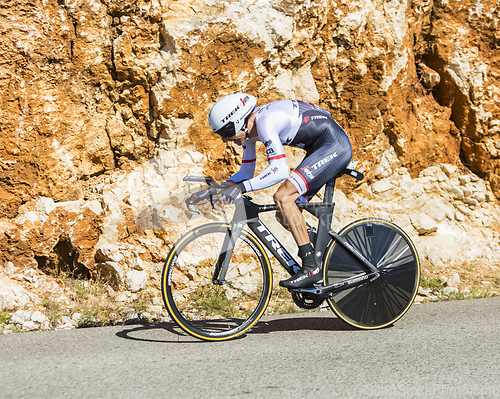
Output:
x,y
248,160
303,178
305,102
276,157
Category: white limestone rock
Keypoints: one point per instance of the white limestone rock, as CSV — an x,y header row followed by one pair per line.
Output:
x,y
135,280
423,223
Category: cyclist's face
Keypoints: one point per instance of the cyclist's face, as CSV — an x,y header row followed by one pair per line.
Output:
x,y
238,138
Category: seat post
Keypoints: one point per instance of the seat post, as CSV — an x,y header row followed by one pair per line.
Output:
x,y
324,215
329,189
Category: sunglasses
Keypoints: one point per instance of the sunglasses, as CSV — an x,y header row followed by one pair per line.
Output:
x,y
227,131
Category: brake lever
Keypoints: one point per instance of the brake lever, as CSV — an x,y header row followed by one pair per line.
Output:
x,y
189,208
213,200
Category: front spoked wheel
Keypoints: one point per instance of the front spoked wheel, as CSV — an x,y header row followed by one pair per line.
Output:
x,y
216,311
382,301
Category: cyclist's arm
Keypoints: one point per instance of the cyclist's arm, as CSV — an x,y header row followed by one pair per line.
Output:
x,y
247,167
277,170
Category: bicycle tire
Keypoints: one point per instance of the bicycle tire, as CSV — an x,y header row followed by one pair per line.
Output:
x,y
209,311
382,301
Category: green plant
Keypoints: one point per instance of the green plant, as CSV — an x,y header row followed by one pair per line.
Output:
x,y
433,283
494,277
53,309
212,299
4,318
283,303
285,308
93,303
474,293
142,303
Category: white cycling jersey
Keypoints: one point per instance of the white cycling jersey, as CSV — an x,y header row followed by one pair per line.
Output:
x,y
277,124
297,124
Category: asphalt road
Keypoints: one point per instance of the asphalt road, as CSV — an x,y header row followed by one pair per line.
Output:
x,y
437,350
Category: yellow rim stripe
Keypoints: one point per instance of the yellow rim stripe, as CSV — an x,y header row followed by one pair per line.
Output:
x,y
173,252
418,272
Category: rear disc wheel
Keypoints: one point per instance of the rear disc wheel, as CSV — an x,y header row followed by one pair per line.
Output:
x,y
382,301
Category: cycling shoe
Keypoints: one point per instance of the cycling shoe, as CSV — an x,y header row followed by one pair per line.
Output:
x,y
306,276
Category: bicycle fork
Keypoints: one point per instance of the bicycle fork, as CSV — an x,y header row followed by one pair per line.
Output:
x,y
226,252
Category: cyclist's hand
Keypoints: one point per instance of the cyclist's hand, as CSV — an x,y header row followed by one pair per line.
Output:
x,y
233,193
202,195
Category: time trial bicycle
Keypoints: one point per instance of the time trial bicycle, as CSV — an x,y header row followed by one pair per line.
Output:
x,y
217,280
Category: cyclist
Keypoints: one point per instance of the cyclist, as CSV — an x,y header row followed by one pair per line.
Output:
x,y
237,118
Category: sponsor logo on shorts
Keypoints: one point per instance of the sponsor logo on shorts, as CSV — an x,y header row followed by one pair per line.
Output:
x,y
307,171
306,119
324,161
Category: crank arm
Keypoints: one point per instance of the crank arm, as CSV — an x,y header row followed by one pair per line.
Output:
x,y
323,292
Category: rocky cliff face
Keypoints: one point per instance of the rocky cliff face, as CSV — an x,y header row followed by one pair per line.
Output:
x,y
100,96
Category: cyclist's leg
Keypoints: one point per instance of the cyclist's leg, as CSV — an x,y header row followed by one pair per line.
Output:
x,y
285,199
310,272
322,163
281,219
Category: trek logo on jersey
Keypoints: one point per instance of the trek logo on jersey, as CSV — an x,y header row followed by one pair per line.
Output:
x,y
273,170
314,117
307,171
324,161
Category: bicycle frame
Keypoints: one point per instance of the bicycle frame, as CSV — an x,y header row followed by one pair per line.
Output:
x,y
364,250
249,214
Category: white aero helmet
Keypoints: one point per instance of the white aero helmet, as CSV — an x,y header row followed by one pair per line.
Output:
x,y
228,115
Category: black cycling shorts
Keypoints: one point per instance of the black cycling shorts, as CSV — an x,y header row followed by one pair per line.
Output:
x,y
328,152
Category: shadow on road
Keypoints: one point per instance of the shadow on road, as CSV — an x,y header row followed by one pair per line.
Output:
x,y
149,332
